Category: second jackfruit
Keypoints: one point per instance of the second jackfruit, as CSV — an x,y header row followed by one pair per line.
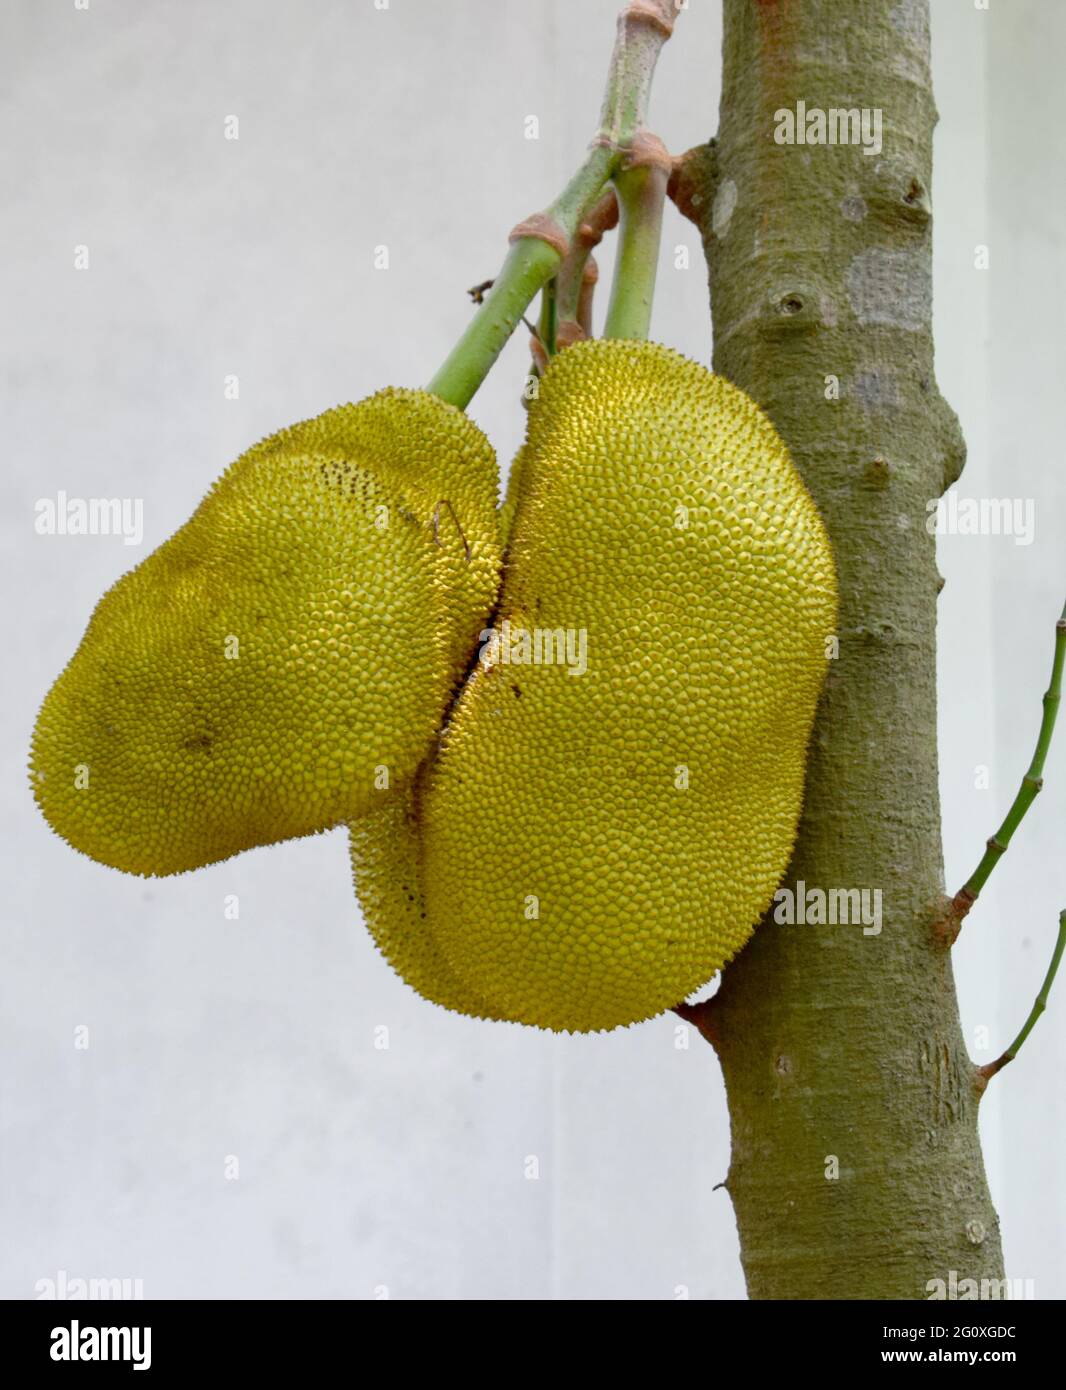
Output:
x,y
595,846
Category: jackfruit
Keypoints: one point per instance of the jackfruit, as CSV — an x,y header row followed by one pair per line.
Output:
x,y
386,854
593,845
515,488
289,651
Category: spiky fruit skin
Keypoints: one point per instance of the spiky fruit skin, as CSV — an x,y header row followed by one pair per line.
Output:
x,y
515,488
597,846
387,865
293,646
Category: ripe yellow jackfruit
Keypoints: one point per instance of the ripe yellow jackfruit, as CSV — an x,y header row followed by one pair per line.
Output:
x,y
386,852
291,648
515,488
593,844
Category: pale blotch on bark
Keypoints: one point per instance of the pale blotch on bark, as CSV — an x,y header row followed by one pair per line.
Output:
x,y
725,201
891,287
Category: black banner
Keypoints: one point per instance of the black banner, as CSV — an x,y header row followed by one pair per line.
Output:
x,y
164,1340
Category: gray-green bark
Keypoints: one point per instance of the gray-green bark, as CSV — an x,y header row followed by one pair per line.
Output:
x,y
836,1043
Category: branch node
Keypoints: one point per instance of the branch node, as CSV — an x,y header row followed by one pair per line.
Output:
x,y
701,1017
948,922
545,228
603,218
691,179
658,13
647,151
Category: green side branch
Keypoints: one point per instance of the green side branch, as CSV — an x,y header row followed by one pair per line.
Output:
x,y
1039,1005
1031,785
531,262
1033,779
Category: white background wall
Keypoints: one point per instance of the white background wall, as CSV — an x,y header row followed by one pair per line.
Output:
x,y
405,1168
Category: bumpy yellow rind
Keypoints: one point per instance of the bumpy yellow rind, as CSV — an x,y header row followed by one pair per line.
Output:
x,y
386,852
292,647
597,846
515,489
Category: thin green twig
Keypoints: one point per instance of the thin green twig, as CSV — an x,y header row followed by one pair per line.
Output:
x,y
1032,782
1039,1005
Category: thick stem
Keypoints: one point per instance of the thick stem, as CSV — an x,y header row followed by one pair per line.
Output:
x,y
643,28
641,191
856,1169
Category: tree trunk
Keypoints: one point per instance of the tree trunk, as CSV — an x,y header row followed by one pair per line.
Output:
x,y
843,1050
